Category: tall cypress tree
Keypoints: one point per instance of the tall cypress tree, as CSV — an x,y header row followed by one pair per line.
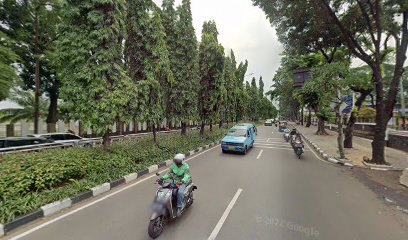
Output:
x,y
254,102
231,86
95,87
147,60
31,26
169,18
7,72
187,84
242,103
211,60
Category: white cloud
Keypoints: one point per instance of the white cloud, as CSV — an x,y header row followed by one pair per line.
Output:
x,y
243,28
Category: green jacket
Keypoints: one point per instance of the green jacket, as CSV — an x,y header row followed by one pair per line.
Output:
x,y
178,174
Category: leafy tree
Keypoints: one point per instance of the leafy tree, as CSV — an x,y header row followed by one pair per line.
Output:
x,y
366,28
25,99
170,18
254,103
7,72
32,27
95,87
248,104
211,62
261,87
231,96
183,55
147,60
241,102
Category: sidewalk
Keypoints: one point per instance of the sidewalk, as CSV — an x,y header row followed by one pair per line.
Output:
x,y
362,147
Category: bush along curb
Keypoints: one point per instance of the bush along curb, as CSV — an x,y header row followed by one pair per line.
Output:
x,y
57,206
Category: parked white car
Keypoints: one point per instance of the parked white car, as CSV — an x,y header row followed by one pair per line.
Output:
x,y
67,139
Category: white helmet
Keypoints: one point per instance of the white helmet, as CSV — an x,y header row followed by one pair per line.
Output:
x,y
179,158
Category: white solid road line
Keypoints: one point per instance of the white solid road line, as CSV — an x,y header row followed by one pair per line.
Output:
x,y
224,216
281,148
260,153
311,149
98,200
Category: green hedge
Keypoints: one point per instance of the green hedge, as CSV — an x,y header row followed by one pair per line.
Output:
x,y
31,180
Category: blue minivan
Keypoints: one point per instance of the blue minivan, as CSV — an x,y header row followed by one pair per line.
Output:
x,y
239,138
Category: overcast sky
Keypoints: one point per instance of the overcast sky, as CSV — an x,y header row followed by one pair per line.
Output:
x,y
243,28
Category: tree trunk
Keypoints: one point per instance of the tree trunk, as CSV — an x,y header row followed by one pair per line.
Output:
x,y
320,127
378,144
339,118
52,113
220,124
80,129
169,123
210,127
106,141
37,76
154,134
183,128
119,128
202,128
135,126
309,118
10,130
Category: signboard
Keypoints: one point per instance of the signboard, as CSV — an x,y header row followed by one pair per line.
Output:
x,y
347,105
301,76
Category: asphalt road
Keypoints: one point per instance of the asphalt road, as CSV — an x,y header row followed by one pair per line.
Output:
x,y
282,197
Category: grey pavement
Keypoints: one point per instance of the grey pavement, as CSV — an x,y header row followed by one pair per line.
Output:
x,y
282,198
361,148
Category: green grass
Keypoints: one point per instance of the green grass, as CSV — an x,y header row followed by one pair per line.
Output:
x,y
31,180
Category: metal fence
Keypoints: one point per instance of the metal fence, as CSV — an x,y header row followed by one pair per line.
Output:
x,y
89,142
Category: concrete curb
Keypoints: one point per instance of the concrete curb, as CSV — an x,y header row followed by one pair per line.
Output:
x,y
57,206
344,162
403,179
325,156
101,189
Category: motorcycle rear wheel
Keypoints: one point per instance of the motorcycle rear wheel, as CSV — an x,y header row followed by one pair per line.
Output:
x,y
156,227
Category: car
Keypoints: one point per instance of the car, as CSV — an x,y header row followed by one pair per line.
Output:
x,y
268,122
66,139
12,142
239,138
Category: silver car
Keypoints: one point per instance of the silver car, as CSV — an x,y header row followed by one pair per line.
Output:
x,y
67,139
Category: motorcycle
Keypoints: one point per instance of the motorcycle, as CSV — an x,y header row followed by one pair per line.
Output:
x,y
286,135
165,205
298,148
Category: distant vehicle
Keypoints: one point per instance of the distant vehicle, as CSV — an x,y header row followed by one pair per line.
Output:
x,y
66,139
239,138
286,135
269,122
11,142
282,125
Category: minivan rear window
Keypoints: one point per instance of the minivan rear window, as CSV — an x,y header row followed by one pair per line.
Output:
x,y
237,132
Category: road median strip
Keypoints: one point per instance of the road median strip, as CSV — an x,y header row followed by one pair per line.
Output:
x,y
57,206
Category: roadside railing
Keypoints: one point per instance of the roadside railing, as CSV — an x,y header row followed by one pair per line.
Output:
x,y
89,142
